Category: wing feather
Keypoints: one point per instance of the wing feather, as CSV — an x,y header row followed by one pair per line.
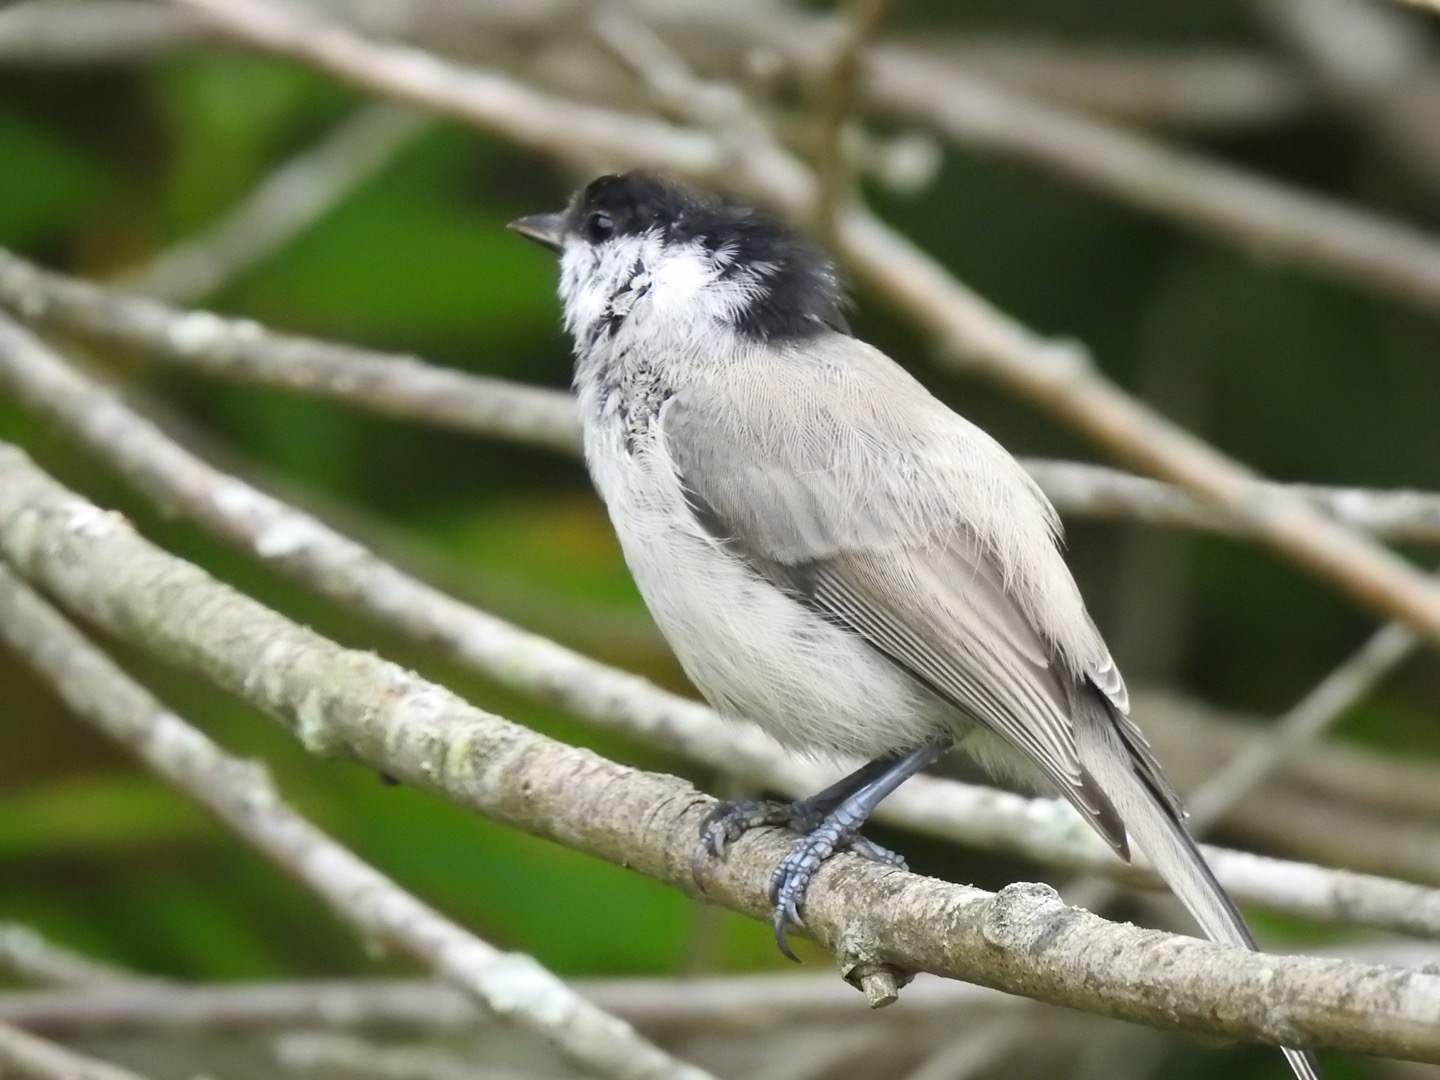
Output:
x,y
912,528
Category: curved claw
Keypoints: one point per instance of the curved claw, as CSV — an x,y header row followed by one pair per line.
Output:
x,y
785,916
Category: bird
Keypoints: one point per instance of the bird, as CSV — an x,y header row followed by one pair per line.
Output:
x,y
831,552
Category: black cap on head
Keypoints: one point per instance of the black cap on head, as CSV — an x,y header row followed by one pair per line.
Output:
x,y
797,293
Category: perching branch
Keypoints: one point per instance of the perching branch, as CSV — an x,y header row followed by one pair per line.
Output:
x,y
1022,940
308,551
240,794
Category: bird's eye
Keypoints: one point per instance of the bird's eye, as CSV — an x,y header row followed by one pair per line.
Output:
x,y
599,227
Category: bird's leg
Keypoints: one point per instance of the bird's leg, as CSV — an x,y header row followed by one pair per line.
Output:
x,y
828,821
840,830
728,821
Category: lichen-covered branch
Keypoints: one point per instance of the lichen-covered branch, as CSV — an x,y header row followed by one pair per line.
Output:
x,y
1023,939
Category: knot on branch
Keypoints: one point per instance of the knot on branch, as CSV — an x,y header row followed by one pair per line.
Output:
x,y
1025,917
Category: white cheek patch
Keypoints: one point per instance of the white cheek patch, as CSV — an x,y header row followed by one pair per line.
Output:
x,y
689,285
676,291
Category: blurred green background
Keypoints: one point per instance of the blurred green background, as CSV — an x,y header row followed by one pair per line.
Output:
x,y
102,167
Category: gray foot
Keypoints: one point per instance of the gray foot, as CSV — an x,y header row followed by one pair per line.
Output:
x,y
821,837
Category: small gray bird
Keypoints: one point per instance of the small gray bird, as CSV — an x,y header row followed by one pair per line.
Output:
x,y
831,552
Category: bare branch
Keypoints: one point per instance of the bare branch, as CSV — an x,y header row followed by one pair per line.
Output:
x,y
283,205
83,32
26,1057
391,385
310,552
240,794
735,1003
1265,217
1376,64
26,955
1302,725
837,94
1193,89
1195,740
308,1053
1022,939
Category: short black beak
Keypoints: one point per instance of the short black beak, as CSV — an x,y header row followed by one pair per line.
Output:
x,y
547,230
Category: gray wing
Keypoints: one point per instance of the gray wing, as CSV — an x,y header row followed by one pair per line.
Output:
x,y
895,522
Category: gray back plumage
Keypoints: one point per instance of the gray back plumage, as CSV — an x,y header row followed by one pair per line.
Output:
x,y
840,478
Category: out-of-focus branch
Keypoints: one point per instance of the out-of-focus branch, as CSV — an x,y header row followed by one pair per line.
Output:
x,y
733,1003
1376,64
283,205
1195,740
1193,90
404,387
325,1055
1022,939
83,32
1199,89
1302,725
307,550
837,96
26,955
391,385
1274,221
240,794
25,1057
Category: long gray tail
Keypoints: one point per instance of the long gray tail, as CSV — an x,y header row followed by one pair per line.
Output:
x,y
1129,778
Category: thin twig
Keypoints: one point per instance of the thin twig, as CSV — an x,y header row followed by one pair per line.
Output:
x,y
282,206
310,552
1191,89
1022,939
1302,725
26,955
241,795
837,95
392,385
1376,64
27,1057
1272,220
309,1053
733,1003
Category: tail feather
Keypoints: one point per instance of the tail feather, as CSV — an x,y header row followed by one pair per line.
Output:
x,y
1152,818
